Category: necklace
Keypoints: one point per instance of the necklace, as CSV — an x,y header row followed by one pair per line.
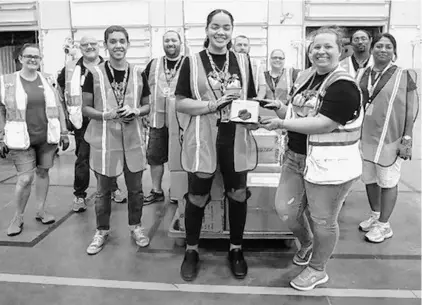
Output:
x,y
221,75
372,84
119,89
171,73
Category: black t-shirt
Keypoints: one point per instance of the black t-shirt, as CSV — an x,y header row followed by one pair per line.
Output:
x,y
61,78
340,103
119,76
170,65
183,88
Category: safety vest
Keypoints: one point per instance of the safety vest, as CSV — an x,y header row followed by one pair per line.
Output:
x,y
113,142
334,157
161,93
283,86
256,69
14,97
199,133
385,118
347,65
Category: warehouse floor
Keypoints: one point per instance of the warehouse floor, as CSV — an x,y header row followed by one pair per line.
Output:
x,y
49,265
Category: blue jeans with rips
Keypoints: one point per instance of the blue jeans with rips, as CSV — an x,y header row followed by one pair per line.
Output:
x,y
311,210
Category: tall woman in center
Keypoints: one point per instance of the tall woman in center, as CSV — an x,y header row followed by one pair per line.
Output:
x,y
209,81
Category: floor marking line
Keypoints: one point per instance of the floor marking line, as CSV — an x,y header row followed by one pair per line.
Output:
x,y
220,289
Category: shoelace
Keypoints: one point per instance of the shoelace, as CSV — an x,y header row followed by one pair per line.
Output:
x,y
97,239
139,233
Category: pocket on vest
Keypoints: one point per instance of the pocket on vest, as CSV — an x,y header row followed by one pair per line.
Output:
x,y
16,135
53,131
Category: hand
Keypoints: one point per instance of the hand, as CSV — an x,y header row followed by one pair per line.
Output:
x,y
405,149
110,115
269,104
69,125
252,126
4,150
271,123
64,142
222,102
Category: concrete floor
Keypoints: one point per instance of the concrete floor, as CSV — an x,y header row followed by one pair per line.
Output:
x,y
49,265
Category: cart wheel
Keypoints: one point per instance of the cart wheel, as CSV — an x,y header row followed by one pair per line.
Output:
x,y
289,243
180,242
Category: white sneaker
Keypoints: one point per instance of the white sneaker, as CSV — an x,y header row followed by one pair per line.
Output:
x,y
138,234
379,232
118,196
98,242
367,225
79,204
308,279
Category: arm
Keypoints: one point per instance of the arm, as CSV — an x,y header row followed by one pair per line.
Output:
x,y
144,109
191,106
62,116
88,109
411,100
262,85
310,125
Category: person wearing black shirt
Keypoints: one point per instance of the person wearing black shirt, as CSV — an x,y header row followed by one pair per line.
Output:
x,y
115,98
162,74
323,120
202,103
361,57
90,58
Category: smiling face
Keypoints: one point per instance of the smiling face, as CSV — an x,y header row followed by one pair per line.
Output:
x,y
383,51
277,59
219,31
89,48
361,42
171,44
325,52
30,59
117,45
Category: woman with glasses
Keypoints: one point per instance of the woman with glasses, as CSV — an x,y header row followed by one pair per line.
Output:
x,y
209,81
278,80
32,123
391,106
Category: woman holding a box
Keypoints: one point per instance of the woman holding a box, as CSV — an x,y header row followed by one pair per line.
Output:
x,y
209,81
323,159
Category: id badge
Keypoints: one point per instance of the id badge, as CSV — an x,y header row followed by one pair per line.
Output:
x,y
166,92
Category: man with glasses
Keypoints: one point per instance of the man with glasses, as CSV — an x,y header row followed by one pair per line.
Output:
x,y
279,80
70,81
361,57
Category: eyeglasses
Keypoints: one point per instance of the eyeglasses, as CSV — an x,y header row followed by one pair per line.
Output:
x,y
363,39
27,56
275,58
92,44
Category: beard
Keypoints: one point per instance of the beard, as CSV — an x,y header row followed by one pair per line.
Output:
x,y
173,53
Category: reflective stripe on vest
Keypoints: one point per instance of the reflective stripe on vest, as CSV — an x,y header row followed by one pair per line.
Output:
x,y
255,72
283,86
200,132
73,93
384,123
14,97
158,100
112,142
347,64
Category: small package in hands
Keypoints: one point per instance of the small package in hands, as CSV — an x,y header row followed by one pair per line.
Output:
x,y
244,111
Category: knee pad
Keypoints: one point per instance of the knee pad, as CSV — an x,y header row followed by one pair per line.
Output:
x,y
198,200
240,195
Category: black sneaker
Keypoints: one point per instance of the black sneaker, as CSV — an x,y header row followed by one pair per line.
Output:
x,y
153,197
190,265
238,265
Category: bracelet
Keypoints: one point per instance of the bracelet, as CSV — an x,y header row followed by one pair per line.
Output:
x,y
212,106
64,133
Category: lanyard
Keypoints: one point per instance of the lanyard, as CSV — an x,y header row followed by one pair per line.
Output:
x,y
119,89
371,87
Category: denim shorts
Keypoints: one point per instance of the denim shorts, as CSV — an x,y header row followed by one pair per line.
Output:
x,y
39,155
158,146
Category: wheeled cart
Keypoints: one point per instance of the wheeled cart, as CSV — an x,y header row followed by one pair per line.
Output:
x,y
262,220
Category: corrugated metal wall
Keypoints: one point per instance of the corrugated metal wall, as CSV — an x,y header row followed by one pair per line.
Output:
x,y
6,59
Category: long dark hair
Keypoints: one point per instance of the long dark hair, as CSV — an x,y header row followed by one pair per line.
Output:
x,y
209,19
389,37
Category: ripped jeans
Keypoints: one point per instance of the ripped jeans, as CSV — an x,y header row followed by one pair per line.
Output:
x,y
310,210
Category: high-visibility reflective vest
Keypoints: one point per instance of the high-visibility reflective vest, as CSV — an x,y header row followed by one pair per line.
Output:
x,y
199,133
14,97
347,65
385,118
283,86
113,142
334,157
256,70
161,93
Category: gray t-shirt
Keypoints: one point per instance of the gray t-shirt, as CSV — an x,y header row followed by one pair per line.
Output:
x,y
36,117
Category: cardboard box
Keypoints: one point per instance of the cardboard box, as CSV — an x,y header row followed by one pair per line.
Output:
x,y
213,220
270,146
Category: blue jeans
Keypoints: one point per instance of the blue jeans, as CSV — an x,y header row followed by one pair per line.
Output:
x,y
105,186
82,170
312,209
